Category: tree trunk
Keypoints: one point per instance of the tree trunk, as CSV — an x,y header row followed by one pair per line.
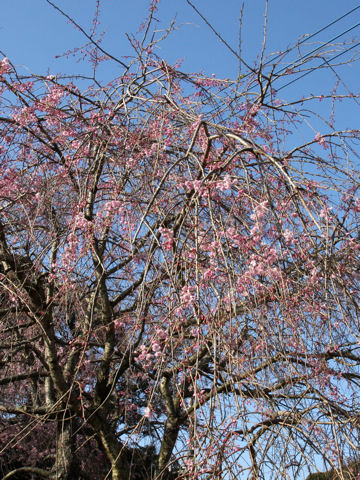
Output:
x,y
65,464
114,450
170,436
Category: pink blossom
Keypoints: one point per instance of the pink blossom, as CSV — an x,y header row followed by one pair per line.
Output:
x,y
81,222
5,66
226,183
196,185
321,141
168,238
209,274
53,98
356,207
187,295
118,324
156,347
259,211
24,116
288,236
112,206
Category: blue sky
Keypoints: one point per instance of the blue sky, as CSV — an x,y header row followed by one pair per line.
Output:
x,y
32,34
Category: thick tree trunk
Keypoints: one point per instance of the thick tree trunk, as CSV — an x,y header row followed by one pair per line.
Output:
x,y
65,463
114,450
170,436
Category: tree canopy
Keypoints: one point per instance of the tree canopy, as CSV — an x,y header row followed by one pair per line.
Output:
x,y
179,282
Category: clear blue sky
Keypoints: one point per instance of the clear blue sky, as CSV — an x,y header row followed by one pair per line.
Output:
x,y
32,33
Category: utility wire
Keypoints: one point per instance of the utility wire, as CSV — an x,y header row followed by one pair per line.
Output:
x,y
300,59
218,35
325,62
307,38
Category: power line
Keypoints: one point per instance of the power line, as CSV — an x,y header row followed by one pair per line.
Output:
x,y
325,62
300,59
293,65
307,38
218,35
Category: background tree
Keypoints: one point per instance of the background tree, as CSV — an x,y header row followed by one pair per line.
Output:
x,y
179,287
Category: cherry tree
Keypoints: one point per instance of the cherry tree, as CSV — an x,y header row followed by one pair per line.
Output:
x,y
179,286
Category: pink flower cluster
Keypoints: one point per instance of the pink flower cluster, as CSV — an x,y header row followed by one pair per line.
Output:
x,y
70,255
118,324
260,211
196,185
321,141
147,355
111,207
147,412
288,236
226,183
54,97
5,66
81,223
356,207
187,295
168,238
24,116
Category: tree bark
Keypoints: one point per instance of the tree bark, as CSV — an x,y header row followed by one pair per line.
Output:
x,y
171,432
66,467
114,450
